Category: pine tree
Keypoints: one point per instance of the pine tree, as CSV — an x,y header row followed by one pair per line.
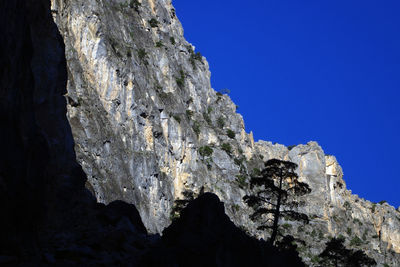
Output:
x,y
275,190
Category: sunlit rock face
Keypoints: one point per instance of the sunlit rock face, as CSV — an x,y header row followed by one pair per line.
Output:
x,y
141,107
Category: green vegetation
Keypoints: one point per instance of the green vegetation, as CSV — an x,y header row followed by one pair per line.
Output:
x,y
256,172
180,81
194,56
355,220
291,147
315,259
180,204
313,233
320,235
177,118
279,185
336,254
172,40
231,134
235,207
349,232
373,208
159,44
220,122
355,241
135,4
227,148
347,206
153,23
286,226
205,151
238,161
382,202
365,235
207,118
241,180
189,114
196,128
209,110
142,54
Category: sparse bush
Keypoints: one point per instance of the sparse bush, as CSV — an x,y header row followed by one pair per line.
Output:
x,y
177,118
373,208
291,147
231,134
196,128
207,118
238,161
209,110
180,81
382,202
364,237
357,221
241,180
153,23
221,122
347,206
189,114
235,207
142,55
286,226
349,231
320,235
256,172
227,148
355,241
205,151
159,44
315,259
172,40
135,4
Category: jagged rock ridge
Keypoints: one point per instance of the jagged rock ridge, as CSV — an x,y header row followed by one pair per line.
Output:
x,y
148,126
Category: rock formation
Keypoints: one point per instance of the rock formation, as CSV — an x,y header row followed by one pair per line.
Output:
x,y
49,218
148,127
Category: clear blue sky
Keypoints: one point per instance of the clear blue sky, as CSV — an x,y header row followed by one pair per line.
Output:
x,y
327,71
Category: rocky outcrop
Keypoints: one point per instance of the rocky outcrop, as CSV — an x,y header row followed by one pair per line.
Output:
x,y
148,126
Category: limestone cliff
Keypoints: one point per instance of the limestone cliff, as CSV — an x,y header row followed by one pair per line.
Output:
x,y
148,126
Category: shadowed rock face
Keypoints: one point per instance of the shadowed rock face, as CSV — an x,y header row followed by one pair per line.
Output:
x,y
38,170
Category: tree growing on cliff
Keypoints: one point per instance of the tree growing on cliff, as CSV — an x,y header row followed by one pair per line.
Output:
x,y
336,254
274,197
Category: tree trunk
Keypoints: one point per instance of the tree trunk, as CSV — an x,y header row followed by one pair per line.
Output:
x,y
276,214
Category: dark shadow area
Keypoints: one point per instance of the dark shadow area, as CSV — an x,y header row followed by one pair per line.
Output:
x,y
205,236
48,217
